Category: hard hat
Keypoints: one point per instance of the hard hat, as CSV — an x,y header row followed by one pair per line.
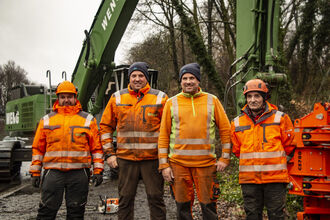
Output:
x,y
66,87
255,85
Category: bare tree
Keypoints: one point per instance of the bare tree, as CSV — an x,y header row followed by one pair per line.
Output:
x,y
10,75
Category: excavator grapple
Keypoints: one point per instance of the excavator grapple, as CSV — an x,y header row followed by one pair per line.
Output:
x,y
309,169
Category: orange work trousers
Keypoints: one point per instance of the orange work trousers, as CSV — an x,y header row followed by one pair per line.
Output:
x,y
207,190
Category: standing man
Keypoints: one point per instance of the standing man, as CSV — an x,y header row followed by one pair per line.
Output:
x,y
186,145
135,113
261,137
65,145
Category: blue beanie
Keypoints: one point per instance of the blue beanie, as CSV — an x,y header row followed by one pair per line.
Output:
x,y
139,66
192,68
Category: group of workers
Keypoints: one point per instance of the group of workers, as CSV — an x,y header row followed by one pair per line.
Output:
x,y
161,138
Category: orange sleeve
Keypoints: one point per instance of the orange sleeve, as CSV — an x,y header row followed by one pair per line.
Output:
x,y
38,150
108,126
164,100
287,134
223,124
236,146
164,136
96,148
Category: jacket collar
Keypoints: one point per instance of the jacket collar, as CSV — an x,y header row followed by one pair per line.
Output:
x,y
67,110
269,111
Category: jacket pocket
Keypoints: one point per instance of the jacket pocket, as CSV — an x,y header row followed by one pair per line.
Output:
x,y
79,134
151,114
53,133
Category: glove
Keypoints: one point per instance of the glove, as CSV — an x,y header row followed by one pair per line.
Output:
x,y
97,179
35,181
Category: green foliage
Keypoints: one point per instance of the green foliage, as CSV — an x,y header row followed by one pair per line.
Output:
x,y
231,190
294,204
229,186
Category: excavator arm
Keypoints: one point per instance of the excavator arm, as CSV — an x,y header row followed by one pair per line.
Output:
x,y
95,63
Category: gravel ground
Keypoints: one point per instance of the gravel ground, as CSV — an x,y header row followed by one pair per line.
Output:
x,y
24,204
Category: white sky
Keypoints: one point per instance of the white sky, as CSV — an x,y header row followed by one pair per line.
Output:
x,y
41,35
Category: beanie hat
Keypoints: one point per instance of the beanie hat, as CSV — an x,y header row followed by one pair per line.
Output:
x,y
192,68
139,66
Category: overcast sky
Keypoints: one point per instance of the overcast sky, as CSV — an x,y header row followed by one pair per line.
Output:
x,y
41,35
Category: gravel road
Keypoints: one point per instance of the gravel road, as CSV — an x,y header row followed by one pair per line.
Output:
x,y
23,204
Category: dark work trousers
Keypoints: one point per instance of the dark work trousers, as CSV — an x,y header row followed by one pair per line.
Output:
x,y
54,183
272,195
130,172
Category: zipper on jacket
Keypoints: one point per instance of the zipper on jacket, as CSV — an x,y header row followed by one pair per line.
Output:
x,y
192,104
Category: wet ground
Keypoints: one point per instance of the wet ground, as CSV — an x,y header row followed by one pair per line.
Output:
x,y
23,204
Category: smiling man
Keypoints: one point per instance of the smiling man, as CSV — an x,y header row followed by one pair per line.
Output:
x,y
261,138
135,112
187,144
66,144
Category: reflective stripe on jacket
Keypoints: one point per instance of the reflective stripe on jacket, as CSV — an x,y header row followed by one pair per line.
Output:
x,y
66,139
262,146
136,117
187,133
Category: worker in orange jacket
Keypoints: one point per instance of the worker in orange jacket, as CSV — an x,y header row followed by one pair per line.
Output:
x,y
261,138
135,113
186,145
66,144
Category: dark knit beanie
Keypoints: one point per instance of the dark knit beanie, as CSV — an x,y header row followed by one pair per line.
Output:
x,y
139,66
192,68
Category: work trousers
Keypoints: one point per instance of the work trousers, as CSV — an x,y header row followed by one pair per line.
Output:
x,y
272,195
207,190
54,183
130,172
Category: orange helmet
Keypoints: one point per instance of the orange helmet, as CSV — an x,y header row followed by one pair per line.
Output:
x,y
256,85
66,87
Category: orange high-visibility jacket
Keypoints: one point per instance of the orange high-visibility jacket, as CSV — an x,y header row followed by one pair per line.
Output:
x,y
136,118
67,139
262,146
187,133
